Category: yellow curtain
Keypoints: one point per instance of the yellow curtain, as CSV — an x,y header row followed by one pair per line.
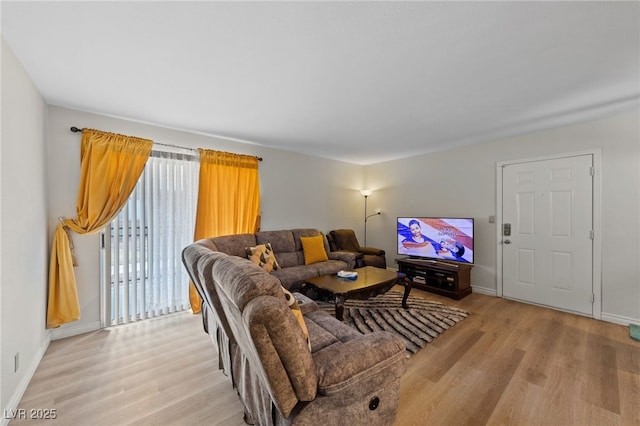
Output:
x,y
228,199
110,166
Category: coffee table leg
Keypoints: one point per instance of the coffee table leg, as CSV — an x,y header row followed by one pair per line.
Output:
x,y
339,306
406,282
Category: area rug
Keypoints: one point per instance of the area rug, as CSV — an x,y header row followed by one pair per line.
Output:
x,y
424,321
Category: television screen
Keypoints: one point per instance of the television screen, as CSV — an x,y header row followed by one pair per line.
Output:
x,y
438,238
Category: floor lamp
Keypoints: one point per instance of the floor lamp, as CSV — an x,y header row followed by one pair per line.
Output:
x,y
366,193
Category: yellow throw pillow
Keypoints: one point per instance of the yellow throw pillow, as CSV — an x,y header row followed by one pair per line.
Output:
x,y
313,249
263,256
295,309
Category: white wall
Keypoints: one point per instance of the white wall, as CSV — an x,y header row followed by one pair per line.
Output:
x,y
303,191
23,220
296,191
461,182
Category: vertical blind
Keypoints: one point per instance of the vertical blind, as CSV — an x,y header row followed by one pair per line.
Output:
x,y
143,273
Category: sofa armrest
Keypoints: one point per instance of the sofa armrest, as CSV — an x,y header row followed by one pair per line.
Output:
x,y
306,304
372,251
358,360
346,256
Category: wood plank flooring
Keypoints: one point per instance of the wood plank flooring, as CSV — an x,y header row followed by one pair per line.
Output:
x,y
507,364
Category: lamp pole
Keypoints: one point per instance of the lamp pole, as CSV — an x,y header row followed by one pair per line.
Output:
x,y
365,219
365,223
366,193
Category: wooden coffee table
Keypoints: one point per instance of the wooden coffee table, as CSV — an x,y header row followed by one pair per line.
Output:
x,y
371,281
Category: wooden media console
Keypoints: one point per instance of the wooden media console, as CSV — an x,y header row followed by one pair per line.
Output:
x,y
444,278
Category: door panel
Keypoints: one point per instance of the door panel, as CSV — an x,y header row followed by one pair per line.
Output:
x,y
547,259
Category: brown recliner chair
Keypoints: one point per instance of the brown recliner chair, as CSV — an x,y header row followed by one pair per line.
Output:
x,y
346,240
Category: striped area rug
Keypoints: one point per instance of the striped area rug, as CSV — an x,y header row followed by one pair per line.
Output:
x,y
420,324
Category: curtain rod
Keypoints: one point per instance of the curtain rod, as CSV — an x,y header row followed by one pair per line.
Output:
x,y
75,129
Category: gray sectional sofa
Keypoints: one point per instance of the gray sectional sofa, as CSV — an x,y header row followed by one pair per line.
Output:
x,y
344,377
288,250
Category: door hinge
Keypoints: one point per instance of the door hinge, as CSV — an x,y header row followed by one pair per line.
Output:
x,y
593,298
592,171
591,235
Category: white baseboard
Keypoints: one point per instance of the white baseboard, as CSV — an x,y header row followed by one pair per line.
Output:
x,y
484,290
618,319
74,330
613,318
12,405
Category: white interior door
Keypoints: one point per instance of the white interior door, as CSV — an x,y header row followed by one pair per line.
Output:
x,y
547,258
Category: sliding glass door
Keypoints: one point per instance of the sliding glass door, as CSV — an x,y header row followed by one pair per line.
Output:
x,y
142,272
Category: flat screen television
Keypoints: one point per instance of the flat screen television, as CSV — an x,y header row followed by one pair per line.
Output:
x,y
437,238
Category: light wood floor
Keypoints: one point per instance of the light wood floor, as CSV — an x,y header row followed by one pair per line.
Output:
x,y
507,364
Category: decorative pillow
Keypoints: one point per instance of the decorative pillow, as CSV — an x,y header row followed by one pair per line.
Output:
x,y
295,309
263,256
313,249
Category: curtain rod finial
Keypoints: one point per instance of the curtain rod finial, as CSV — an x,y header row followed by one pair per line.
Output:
x,y
74,129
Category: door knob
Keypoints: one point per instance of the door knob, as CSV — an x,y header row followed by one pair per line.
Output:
x,y
507,241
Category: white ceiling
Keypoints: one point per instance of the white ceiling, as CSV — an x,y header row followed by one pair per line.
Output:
x,y
361,82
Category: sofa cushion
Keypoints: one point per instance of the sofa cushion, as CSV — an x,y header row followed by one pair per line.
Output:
x,y
293,275
234,245
338,369
313,249
349,258
283,245
243,280
333,344
345,239
329,267
307,232
262,255
325,330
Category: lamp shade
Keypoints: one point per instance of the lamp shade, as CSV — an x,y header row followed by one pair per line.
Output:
x,y
366,192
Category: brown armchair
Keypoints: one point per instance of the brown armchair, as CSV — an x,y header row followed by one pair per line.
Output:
x,y
346,240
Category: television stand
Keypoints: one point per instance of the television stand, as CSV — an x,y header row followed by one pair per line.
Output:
x,y
443,278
